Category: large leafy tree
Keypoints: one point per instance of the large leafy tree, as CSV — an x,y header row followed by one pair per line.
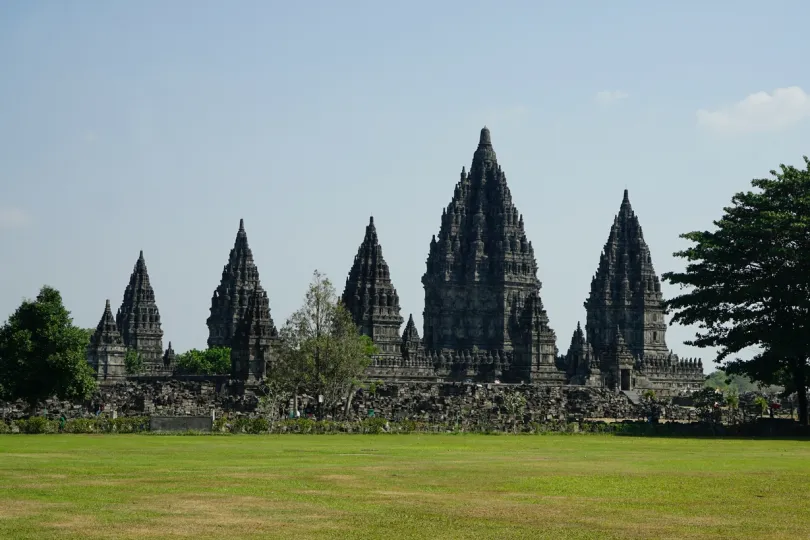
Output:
x,y
320,348
42,354
748,283
212,361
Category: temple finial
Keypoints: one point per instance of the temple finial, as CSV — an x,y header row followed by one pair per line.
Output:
x,y
241,225
485,139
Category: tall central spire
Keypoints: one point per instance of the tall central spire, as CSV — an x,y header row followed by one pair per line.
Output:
x,y
480,264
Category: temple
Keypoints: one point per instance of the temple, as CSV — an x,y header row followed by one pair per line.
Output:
x,y
371,297
138,319
484,318
230,300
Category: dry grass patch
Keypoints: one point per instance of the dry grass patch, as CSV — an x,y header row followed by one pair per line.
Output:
x,y
10,509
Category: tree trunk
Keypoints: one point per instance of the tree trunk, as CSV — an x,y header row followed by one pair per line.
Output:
x,y
295,403
800,380
348,402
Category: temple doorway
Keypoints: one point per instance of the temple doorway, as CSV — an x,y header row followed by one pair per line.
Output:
x,y
625,379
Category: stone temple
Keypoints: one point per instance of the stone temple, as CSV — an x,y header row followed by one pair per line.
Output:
x,y
484,318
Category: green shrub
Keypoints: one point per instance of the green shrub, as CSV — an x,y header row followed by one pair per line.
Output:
x,y
82,425
4,427
373,425
36,425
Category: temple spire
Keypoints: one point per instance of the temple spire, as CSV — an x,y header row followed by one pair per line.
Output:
x,y
481,247
625,287
485,139
106,352
252,344
138,318
371,297
230,299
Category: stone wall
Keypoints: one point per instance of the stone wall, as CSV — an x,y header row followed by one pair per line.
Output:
x,y
440,403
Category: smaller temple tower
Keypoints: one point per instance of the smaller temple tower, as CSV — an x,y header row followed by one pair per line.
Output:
x,y
582,366
138,318
625,292
230,300
536,346
371,298
411,346
106,352
169,359
252,345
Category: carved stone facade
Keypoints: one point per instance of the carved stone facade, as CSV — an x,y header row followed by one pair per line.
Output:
x,y
484,318
252,346
138,319
625,343
106,352
230,300
370,295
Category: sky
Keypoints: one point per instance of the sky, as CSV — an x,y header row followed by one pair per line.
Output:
x,y
156,126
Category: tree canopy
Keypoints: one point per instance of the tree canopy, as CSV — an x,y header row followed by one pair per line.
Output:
x,y
748,282
133,362
213,361
42,354
320,347
740,384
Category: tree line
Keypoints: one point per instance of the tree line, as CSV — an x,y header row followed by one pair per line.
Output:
x,y
43,354
746,286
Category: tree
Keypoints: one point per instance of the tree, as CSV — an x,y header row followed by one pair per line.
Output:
x,y
213,361
133,362
720,380
321,348
42,354
749,283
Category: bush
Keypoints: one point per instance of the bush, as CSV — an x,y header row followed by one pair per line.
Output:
x,y
82,425
243,424
36,425
374,425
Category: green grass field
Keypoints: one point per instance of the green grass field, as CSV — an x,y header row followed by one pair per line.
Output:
x,y
401,486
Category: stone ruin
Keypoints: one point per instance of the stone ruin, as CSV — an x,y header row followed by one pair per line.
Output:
x,y
484,319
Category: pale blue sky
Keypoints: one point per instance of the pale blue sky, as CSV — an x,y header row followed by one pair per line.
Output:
x,y
157,125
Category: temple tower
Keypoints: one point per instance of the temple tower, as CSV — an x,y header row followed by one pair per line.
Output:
x,y
370,295
411,346
536,350
229,302
252,345
138,318
106,352
626,293
480,264
169,359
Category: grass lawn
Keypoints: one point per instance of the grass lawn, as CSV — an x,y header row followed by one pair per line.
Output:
x,y
401,486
